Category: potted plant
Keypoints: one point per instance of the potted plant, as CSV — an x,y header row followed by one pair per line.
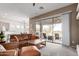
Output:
x,y
2,36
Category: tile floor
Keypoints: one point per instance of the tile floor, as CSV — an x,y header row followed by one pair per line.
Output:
x,y
52,49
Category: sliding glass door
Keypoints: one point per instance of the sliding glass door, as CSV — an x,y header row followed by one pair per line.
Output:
x,y
38,29
57,33
55,29
50,30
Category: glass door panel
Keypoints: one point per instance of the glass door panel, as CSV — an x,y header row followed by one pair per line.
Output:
x,y
38,29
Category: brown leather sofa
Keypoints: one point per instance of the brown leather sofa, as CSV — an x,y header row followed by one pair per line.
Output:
x,y
13,50
18,37
22,39
20,42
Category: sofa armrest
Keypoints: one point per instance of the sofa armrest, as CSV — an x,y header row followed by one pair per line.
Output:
x,y
9,53
12,45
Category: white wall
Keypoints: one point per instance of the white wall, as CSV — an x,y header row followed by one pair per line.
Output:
x,y
26,25
15,27
12,24
66,28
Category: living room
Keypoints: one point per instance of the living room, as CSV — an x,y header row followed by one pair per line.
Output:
x,y
18,29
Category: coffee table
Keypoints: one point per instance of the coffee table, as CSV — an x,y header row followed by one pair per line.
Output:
x,y
37,42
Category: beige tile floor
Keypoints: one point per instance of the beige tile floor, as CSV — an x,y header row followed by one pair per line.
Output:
x,y
52,49
57,41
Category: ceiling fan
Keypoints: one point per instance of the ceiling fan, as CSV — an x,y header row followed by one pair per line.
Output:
x,y
33,4
40,7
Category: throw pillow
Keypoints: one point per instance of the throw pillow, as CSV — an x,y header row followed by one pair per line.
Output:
x,y
2,48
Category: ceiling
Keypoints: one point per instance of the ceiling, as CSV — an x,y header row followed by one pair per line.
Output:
x,y
20,11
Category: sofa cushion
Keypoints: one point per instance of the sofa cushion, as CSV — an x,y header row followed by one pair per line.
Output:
x,y
2,48
30,51
24,36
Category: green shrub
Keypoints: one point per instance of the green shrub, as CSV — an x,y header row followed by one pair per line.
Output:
x,y
1,36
